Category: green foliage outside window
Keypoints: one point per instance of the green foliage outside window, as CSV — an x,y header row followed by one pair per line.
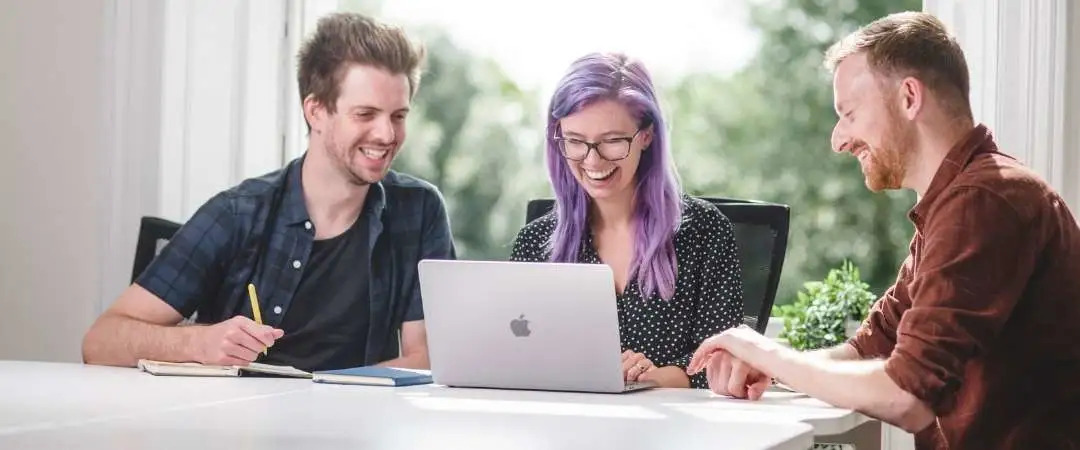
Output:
x,y
759,133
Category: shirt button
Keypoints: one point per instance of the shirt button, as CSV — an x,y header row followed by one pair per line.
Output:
x,y
277,310
296,264
307,224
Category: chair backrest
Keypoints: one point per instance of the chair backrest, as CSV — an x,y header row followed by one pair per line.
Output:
x,y
761,234
154,232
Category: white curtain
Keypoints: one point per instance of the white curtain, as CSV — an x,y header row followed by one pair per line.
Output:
x,y
222,98
195,93
1024,58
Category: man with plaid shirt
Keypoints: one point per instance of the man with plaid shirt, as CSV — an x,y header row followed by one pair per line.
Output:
x,y
330,243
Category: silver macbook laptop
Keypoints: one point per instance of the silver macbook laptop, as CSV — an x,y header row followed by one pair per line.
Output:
x,y
513,325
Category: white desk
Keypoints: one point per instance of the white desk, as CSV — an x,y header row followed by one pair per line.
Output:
x,y
36,395
49,405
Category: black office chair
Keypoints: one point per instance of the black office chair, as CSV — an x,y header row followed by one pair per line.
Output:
x,y
154,232
761,233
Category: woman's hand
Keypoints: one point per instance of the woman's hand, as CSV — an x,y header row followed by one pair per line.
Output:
x,y
634,365
667,376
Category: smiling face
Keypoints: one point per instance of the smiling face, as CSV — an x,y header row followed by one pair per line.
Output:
x,y
870,126
364,133
604,129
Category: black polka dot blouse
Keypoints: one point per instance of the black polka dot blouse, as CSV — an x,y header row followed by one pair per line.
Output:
x,y
708,291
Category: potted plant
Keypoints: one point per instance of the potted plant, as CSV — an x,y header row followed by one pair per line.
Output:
x,y
826,312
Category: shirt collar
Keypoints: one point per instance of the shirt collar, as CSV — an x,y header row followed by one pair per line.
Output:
x,y
294,210
978,140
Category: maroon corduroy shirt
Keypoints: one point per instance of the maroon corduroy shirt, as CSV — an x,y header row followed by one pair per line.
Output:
x,y
983,323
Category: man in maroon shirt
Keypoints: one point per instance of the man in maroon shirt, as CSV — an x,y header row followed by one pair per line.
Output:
x,y
977,344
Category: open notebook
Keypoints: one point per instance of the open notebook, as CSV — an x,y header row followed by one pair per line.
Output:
x,y
375,376
192,369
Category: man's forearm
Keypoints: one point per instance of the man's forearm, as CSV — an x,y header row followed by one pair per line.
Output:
x,y
415,361
842,352
836,382
669,376
121,341
860,385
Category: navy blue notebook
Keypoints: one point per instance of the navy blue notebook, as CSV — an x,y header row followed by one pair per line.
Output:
x,y
370,375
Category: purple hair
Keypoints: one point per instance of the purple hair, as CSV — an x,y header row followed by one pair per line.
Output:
x,y
657,202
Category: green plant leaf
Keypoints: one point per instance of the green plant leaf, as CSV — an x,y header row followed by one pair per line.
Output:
x,y
819,315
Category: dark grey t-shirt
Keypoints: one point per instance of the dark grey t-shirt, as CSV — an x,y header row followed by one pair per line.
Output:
x,y
327,325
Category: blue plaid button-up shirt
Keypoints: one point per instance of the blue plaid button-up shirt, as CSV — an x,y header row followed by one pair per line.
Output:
x,y
260,232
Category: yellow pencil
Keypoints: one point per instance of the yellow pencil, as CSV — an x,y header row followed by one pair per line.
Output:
x,y
257,315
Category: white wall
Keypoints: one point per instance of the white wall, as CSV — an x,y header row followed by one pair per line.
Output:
x,y
111,110
133,89
53,105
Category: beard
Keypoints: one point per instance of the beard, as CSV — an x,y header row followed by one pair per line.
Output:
x,y
887,163
346,157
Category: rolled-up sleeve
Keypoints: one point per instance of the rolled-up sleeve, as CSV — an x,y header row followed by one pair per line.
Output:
x,y
976,262
876,337
191,266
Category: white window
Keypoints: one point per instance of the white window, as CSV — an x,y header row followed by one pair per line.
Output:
x,y
477,127
1025,80
223,108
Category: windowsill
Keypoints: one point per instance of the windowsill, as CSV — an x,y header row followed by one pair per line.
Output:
x,y
772,330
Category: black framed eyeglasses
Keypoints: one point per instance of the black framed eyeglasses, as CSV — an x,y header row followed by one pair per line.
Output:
x,y
611,149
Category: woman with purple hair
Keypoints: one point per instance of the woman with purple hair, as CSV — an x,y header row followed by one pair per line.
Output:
x,y
618,202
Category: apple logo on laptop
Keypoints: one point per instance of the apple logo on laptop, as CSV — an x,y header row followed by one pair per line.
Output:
x,y
520,326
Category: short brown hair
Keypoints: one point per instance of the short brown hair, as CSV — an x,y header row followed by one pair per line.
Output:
x,y
342,39
912,44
